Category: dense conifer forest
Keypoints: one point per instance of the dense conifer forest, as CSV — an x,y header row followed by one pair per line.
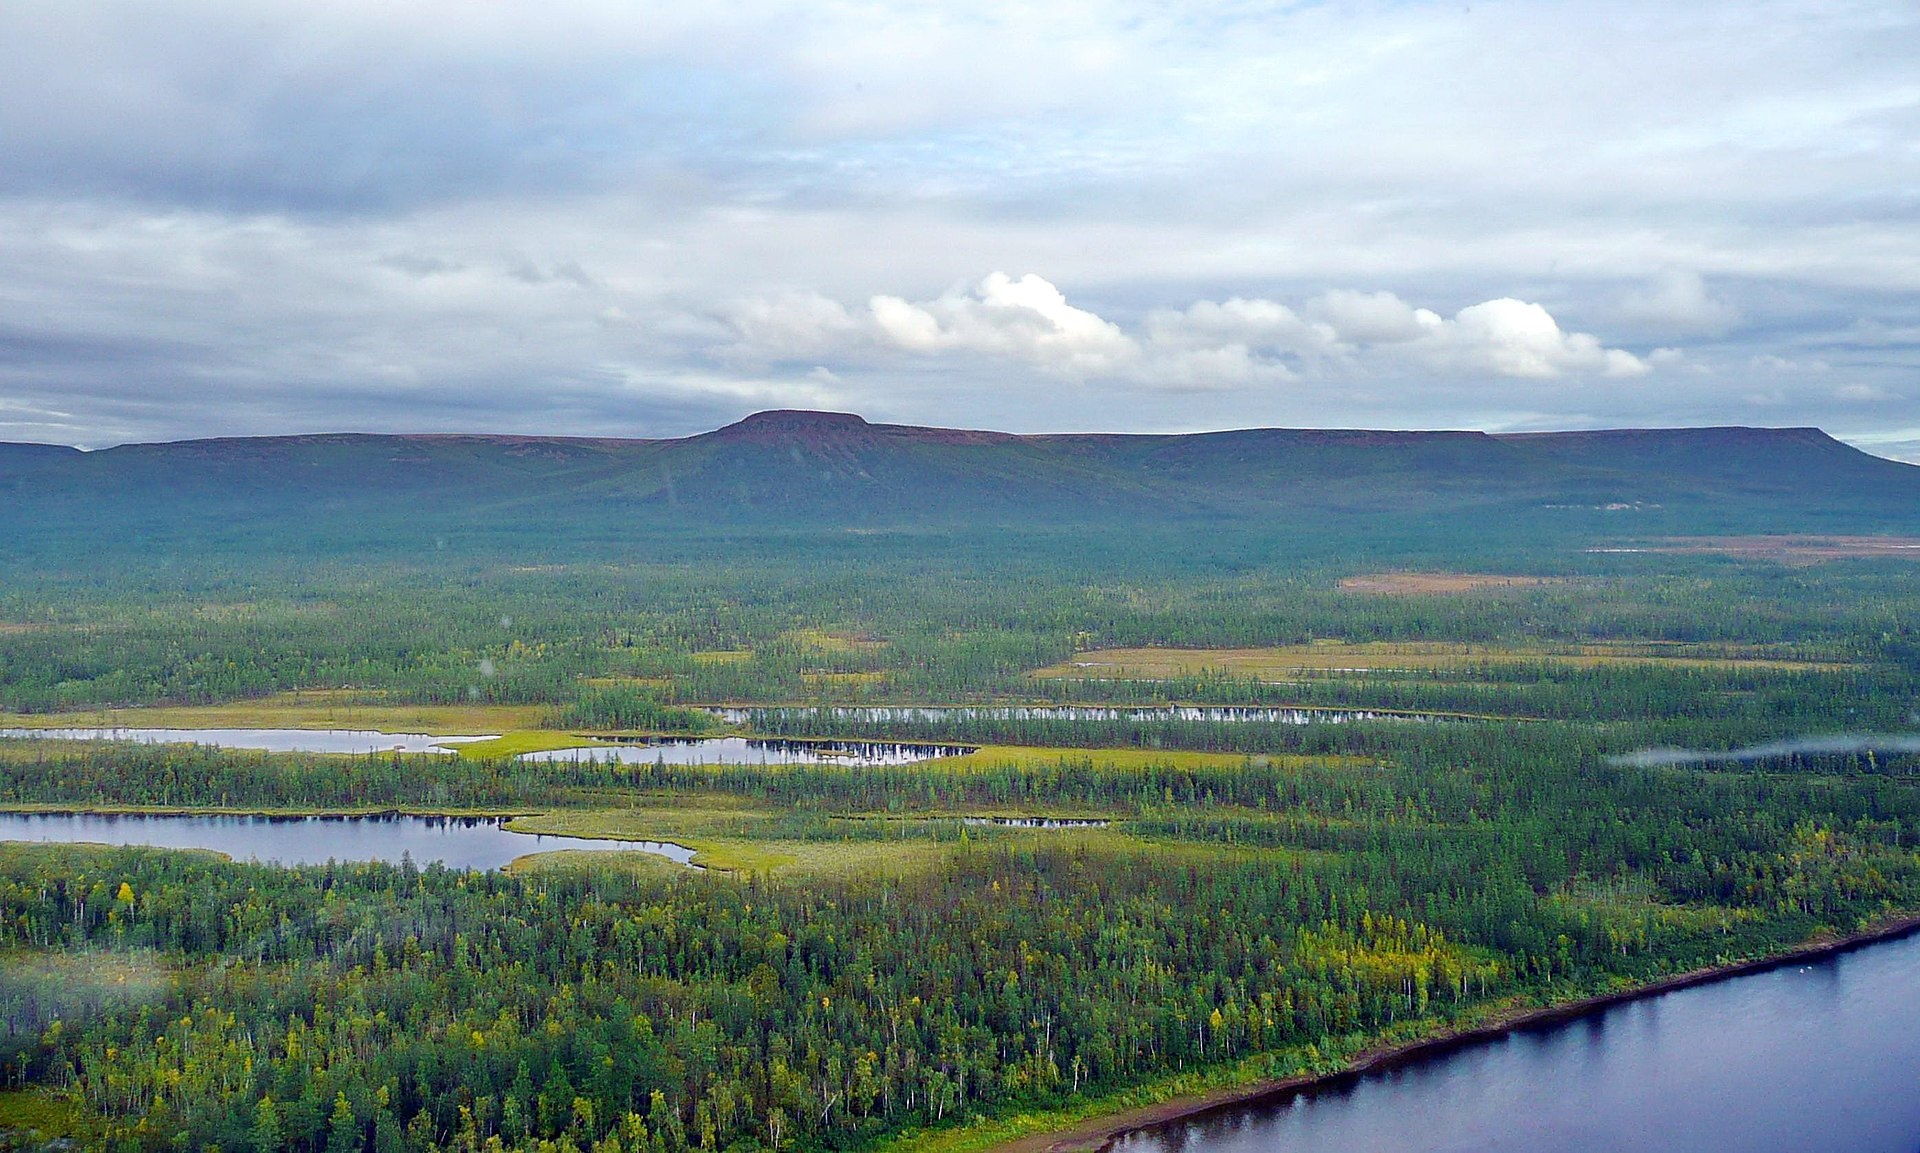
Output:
x,y
863,963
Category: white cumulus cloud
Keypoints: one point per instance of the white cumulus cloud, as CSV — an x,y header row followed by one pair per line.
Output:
x,y
1514,338
1207,344
1026,319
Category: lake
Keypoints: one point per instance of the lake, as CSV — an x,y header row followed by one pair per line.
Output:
x,y
1035,822
751,751
263,740
908,714
634,750
456,842
1820,1056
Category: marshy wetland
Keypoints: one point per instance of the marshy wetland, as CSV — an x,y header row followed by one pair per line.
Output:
x,y
1291,851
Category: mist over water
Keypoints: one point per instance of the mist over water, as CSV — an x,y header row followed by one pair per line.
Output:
x,y
1839,744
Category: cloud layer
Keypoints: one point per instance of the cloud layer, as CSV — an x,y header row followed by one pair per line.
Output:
x,y
588,217
1027,322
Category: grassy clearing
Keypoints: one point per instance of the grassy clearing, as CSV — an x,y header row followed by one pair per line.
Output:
x,y
297,711
1439,583
1286,661
33,1118
523,741
826,641
1631,899
730,839
1795,549
628,682
838,680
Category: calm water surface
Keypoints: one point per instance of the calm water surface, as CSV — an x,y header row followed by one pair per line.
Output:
x,y
1035,822
264,740
752,751
883,714
457,842
1817,1057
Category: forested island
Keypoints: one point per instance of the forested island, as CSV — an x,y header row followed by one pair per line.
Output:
x,y
1257,752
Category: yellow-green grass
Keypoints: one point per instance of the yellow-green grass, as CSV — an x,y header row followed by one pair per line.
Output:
x,y
1282,661
295,711
722,657
656,817
1440,583
828,641
519,741
31,1118
1632,898
831,680
728,839
73,856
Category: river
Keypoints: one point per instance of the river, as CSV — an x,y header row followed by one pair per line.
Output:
x,y
1817,1056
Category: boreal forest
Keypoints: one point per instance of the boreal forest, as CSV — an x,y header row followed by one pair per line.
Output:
x,y
1025,780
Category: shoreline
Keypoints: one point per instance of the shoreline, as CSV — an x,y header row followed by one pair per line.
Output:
x,y
1100,1134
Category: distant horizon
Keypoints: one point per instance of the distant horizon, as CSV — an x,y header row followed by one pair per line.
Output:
x,y
1103,432
578,218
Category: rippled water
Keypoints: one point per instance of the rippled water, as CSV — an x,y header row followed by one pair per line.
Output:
x,y
457,842
264,740
1824,1056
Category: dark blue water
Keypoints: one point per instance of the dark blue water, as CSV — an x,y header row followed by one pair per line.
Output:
x,y
456,842
1824,1056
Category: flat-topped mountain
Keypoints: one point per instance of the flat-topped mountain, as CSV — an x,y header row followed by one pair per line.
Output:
x,y
798,470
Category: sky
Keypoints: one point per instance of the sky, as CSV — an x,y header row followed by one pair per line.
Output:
x,y
643,219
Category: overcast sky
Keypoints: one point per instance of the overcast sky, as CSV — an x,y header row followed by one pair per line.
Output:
x,y
648,219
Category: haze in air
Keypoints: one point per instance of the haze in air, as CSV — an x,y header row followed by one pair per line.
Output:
x,y
1021,579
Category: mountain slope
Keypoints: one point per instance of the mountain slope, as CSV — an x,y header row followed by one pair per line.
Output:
x,y
807,470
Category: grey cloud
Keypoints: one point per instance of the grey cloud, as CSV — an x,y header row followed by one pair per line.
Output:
x,y
579,216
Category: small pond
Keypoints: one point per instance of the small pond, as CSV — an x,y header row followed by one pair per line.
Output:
x,y
263,740
456,842
934,714
1036,822
750,751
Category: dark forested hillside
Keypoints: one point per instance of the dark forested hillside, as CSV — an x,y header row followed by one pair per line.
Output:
x,y
1514,745
798,469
